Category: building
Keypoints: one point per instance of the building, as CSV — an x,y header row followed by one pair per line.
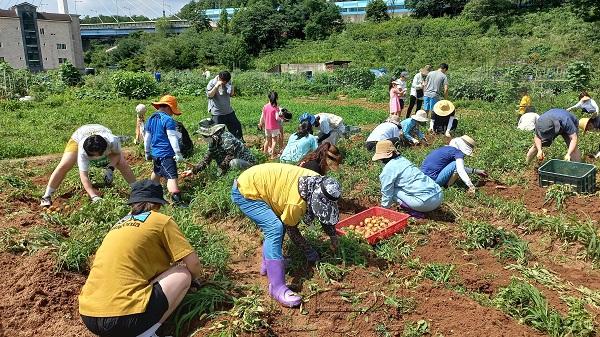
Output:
x,y
308,68
39,41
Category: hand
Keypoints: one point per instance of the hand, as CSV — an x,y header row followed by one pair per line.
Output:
x,y
187,173
540,155
220,83
312,256
448,134
472,190
148,156
416,142
96,199
568,109
178,157
567,157
109,174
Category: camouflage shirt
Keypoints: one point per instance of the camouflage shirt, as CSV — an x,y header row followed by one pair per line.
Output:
x,y
226,149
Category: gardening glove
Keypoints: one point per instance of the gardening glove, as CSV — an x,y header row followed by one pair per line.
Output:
x,y
567,157
311,255
96,199
178,156
109,174
481,173
472,190
416,142
148,156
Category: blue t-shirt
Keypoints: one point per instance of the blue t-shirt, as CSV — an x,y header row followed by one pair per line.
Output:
x,y
438,159
568,122
157,125
297,148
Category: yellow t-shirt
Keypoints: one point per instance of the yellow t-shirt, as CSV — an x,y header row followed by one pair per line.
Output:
x,y
277,185
525,103
135,251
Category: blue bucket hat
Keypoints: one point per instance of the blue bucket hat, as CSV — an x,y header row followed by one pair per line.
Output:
x,y
307,117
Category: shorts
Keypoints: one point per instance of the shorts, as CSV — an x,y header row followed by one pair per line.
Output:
x,y
165,167
272,133
429,102
131,325
72,146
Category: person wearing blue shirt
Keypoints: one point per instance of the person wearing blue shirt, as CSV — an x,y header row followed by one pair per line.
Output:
x,y
446,164
410,127
300,143
551,124
402,182
161,143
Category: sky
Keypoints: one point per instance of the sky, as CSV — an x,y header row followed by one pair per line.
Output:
x,y
149,8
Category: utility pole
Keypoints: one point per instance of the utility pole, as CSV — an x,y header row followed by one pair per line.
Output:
x,y
117,7
163,3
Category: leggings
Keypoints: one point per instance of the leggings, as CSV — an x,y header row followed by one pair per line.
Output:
x,y
412,102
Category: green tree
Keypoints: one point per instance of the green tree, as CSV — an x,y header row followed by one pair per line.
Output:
x,y
377,11
194,13
223,23
322,18
489,12
436,8
69,74
589,10
163,27
260,26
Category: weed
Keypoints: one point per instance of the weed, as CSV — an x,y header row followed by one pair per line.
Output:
x,y
37,238
330,272
418,329
402,305
514,248
481,235
438,272
394,250
559,193
247,315
381,330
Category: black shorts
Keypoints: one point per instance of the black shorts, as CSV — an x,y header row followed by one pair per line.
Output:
x,y
130,325
165,167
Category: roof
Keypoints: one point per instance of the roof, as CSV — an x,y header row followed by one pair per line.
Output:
x,y
7,13
337,62
12,13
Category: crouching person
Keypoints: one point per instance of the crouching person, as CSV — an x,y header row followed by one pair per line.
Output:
x,y
276,197
402,182
141,271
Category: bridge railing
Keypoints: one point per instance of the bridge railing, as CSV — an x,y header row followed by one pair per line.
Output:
x,y
132,25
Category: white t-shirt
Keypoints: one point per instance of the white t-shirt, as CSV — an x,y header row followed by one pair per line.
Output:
x,y
81,134
417,83
383,131
328,121
527,121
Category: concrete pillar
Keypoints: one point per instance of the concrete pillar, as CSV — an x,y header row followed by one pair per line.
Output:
x,y
63,6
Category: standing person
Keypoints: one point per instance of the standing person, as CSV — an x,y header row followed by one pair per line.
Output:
x,y
551,124
402,182
269,121
435,85
219,92
416,90
586,104
140,121
276,197
91,142
446,164
402,87
410,127
161,143
388,130
300,143
326,157
136,281
443,118
395,93
331,127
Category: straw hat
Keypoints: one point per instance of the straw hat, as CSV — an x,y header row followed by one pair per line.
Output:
x,y
169,100
394,119
384,149
443,108
583,123
420,116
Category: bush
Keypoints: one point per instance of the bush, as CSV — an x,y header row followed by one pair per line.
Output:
x,y
360,78
252,83
134,85
579,75
69,74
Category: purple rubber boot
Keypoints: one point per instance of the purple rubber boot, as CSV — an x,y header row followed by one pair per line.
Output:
x,y
277,287
412,212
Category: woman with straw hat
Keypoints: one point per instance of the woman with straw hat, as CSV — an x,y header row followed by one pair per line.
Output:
x,y
588,124
410,127
442,118
402,182
446,164
586,104
388,130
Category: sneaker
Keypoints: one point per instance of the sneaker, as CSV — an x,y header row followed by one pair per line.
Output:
x,y
46,202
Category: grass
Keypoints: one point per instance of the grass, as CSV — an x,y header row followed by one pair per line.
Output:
x,y
438,272
559,193
506,245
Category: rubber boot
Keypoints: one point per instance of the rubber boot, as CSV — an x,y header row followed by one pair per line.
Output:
x,y
412,212
277,287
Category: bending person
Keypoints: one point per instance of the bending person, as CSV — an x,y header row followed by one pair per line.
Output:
x,y
136,280
446,164
402,182
551,124
326,157
224,148
586,104
410,128
91,142
300,143
388,130
276,197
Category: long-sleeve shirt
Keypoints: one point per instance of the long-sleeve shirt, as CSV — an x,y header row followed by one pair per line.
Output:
x,y
589,105
226,149
409,126
399,175
383,131
417,83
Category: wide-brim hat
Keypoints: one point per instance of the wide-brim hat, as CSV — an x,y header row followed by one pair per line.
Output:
x,y
211,130
307,117
404,74
583,123
323,202
169,100
546,129
420,116
384,149
394,119
464,143
146,191
443,108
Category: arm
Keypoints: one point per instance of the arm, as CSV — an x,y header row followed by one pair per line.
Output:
x,y
446,91
147,138
300,242
387,188
572,146
174,140
204,163
138,135
420,134
211,92
578,105
87,185
406,130
538,145
192,262
595,106
462,173
231,90
323,136
261,123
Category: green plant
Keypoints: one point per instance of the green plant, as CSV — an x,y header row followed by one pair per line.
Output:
x,y
376,11
481,235
330,272
134,85
381,330
559,193
247,315
394,250
69,74
579,74
438,272
35,239
402,305
417,329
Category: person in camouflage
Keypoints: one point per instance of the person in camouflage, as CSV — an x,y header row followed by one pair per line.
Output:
x,y
224,148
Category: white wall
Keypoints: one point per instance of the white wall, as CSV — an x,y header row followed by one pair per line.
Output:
x,y
55,32
12,45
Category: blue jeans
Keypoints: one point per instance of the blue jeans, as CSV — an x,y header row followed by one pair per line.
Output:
x,y
445,174
269,223
429,102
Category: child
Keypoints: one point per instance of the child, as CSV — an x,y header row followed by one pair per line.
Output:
x,y
161,142
269,121
140,110
525,105
402,87
284,117
395,94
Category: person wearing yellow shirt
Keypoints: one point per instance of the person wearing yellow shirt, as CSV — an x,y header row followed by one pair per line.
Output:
x,y
141,271
525,104
276,197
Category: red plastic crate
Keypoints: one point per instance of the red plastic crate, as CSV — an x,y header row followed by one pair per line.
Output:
x,y
400,220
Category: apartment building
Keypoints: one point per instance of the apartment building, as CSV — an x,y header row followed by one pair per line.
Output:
x,y
39,41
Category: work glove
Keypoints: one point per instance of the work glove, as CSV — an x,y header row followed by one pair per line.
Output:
x,y
109,174
148,156
416,142
96,199
311,255
178,157
472,190
567,157
481,173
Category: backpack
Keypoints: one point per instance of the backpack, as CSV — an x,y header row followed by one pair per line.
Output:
x,y
185,142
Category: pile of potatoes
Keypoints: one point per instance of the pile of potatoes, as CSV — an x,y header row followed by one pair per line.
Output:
x,y
370,226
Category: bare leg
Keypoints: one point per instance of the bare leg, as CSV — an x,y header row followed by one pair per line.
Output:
x,y
175,283
172,186
68,160
531,154
125,169
576,155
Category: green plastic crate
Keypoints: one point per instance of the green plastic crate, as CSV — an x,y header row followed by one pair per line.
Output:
x,y
579,175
